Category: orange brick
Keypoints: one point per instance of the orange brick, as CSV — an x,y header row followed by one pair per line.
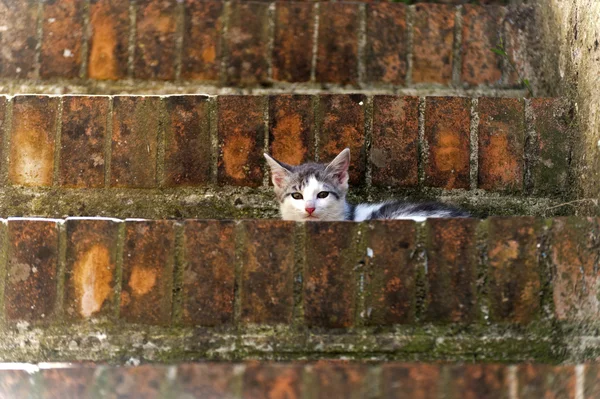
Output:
x,y
544,381
75,382
272,380
416,380
19,40
32,140
501,144
447,133
61,44
30,292
340,380
433,40
146,381
291,119
146,295
292,49
109,40
472,381
206,380
90,268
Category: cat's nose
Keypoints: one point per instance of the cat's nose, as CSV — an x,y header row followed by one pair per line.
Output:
x,y
309,210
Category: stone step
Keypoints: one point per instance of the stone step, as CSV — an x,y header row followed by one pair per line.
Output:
x,y
201,46
304,380
504,289
199,156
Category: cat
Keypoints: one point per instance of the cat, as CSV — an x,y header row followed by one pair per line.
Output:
x,y
313,192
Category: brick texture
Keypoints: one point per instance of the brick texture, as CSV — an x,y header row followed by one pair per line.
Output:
x,y
108,43
205,380
156,25
386,43
335,379
501,144
394,152
474,381
68,383
241,140
145,381
329,283
342,124
546,381
83,132
337,52
514,290
32,141
433,40
267,272
90,268
418,381
19,40
391,282
451,270
293,42
272,380
187,154
202,50
30,291
291,120
447,134
61,45
209,274
147,272
135,141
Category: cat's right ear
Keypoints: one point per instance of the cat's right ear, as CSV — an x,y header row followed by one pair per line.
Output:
x,y
279,172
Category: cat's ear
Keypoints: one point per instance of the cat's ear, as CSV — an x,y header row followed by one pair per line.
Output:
x,y
279,171
338,168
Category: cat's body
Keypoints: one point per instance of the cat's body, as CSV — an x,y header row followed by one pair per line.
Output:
x,y
314,191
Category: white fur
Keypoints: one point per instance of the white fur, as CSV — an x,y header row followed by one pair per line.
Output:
x,y
328,208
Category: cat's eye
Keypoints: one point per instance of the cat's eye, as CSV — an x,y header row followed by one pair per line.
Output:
x,y
323,194
297,196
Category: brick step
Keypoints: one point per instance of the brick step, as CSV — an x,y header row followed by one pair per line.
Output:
x,y
104,155
503,289
304,380
70,45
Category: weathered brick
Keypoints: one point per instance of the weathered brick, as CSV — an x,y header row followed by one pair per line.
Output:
x,y
391,283
481,29
3,103
501,143
187,154
84,122
544,381
394,151
147,272
291,120
90,268
268,272
201,59
337,51
32,140
342,124
135,141
574,255
156,27
272,380
451,270
551,123
30,292
514,289
386,43
19,40
61,44
67,383
433,39
329,276
241,140
248,43
416,381
516,25
15,384
447,133
209,275
205,380
473,381
591,389
293,42
144,382
108,43
340,380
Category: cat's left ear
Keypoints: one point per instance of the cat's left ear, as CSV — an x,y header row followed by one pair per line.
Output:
x,y
338,168
279,171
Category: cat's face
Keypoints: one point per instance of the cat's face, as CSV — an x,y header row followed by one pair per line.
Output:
x,y
311,191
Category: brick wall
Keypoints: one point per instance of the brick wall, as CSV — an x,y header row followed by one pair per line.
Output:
x,y
213,42
223,289
314,380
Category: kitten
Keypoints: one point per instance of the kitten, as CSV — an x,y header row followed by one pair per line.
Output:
x,y
314,191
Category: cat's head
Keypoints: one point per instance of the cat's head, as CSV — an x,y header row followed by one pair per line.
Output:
x,y
311,191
